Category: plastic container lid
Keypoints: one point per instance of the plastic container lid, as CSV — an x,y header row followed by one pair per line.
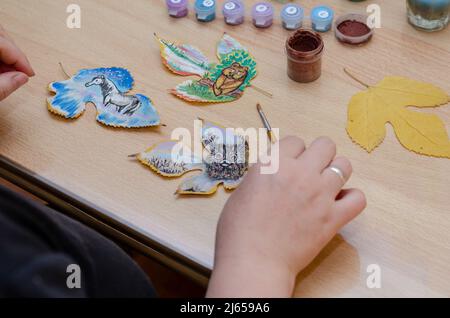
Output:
x,y
292,14
177,4
205,6
322,14
233,9
262,9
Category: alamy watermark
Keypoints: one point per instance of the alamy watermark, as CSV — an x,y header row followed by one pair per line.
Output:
x,y
73,21
226,146
73,280
373,280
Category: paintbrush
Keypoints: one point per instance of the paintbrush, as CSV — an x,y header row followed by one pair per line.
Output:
x,y
270,133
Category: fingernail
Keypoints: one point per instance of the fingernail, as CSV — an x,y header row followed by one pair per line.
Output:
x,y
20,79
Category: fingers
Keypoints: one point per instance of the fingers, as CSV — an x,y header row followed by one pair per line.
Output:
x,y
319,155
291,147
350,204
12,56
11,81
333,181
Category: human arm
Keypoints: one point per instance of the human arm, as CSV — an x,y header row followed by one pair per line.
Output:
x,y
274,225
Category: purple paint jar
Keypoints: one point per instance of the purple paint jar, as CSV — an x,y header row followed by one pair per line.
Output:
x,y
262,14
177,8
233,12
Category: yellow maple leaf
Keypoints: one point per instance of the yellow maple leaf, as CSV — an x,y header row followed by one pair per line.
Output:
x,y
388,102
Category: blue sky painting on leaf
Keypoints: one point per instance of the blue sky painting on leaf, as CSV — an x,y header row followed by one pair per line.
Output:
x,y
107,89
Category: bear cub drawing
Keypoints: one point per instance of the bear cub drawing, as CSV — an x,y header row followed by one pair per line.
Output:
x,y
230,80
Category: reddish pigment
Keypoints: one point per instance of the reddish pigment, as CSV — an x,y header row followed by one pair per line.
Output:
x,y
353,28
304,43
304,51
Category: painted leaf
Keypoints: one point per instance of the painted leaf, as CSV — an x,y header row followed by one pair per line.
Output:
x,y
225,162
387,102
164,159
222,82
107,89
227,45
183,59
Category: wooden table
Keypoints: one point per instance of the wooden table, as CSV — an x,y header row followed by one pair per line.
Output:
x,y
82,167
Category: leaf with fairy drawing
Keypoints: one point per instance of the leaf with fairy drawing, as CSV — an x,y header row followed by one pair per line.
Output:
x,y
217,83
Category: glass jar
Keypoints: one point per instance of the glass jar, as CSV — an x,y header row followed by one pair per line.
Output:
x,y
304,56
428,15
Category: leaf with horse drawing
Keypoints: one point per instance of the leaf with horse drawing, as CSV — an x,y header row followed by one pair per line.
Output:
x,y
387,102
107,89
222,82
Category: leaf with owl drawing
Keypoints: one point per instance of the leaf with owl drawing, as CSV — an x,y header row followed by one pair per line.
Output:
x,y
217,83
224,161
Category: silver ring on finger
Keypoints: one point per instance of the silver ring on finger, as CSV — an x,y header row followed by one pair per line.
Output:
x,y
339,173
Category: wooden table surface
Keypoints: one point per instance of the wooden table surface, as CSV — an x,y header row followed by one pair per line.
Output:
x,y
406,226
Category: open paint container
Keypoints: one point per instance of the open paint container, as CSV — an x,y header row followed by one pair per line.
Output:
x,y
353,29
304,51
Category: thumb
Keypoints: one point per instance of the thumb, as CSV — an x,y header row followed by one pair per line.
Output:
x,y
11,81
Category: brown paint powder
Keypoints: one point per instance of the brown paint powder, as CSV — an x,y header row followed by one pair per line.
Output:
x,y
304,51
353,28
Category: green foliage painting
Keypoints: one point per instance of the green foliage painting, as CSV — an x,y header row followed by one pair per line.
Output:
x,y
222,82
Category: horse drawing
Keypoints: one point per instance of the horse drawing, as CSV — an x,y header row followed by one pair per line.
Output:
x,y
125,104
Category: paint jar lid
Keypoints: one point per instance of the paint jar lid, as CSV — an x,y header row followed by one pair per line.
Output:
x,y
176,4
292,12
205,5
262,9
322,14
233,8
357,34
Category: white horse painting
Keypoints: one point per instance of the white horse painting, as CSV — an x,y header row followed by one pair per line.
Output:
x,y
125,104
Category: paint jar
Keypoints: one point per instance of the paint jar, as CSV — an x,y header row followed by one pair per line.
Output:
x,y
233,12
322,18
205,10
304,51
177,8
353,29
262,14
428,15
292,16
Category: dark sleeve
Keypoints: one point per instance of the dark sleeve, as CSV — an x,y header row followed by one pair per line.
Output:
x,y
43,277
38,244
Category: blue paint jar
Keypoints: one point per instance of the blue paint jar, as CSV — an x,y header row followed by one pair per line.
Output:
x,y
292,16
205,10
322,18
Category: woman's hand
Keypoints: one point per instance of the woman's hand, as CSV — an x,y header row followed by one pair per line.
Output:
x,y
15,69
273,226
